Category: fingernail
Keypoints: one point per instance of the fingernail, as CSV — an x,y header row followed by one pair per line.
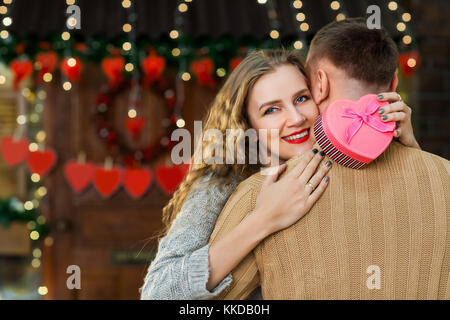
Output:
x,y
381,111
384,117
380,97
328,163
315,150
327,178
322,153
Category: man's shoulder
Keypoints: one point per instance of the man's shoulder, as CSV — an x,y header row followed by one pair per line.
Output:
x,y
396,149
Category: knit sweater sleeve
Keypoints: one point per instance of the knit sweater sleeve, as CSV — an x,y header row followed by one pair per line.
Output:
x,y
180,269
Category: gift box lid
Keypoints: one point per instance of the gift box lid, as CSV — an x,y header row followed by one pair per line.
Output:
x,y
355,128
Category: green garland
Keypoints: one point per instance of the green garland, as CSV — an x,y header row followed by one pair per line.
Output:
x,y
12,210
96,48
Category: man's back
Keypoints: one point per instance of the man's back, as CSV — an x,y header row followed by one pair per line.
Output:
x,y
388,222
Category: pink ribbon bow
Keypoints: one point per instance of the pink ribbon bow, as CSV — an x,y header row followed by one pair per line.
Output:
x,y
364,117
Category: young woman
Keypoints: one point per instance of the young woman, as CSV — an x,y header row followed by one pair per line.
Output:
x,y
268,90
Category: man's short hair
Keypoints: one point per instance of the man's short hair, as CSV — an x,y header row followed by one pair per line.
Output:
x,y
364,54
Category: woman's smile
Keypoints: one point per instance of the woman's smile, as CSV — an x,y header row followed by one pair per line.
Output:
x,y
297,137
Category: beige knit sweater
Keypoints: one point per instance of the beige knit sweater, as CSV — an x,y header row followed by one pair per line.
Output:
x,y
378,233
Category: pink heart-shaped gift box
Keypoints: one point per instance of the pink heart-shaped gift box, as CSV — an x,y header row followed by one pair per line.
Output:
x,y
352,133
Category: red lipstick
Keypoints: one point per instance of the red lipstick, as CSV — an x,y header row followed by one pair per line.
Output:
x,y
297,140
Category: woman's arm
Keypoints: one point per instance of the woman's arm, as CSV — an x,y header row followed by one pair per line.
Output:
x,y
180,268
279,205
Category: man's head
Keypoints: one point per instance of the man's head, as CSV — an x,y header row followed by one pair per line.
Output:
x,y
348,60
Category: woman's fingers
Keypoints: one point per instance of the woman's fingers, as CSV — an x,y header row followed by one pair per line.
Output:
x,y
315,180
303,163
271,178
394,116
313,197
394,107
308,172
389,96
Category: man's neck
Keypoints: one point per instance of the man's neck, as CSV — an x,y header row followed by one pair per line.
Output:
x,y
352,89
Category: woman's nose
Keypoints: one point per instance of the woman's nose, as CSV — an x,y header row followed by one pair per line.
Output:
x,y
295,118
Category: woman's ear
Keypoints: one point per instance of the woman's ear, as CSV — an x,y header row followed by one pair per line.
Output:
x,y
322,86
394,83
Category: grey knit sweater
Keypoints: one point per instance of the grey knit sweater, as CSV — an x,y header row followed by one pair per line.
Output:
x,y
180,269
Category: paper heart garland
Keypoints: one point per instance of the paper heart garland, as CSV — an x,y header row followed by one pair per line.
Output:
x,y
135,126
72,72
153,66
79,175
137,181
21,70
48,61
107,181
203,70
14,152
41,162
113,67
169,178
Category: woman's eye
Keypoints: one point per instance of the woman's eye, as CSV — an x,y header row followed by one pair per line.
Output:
x,y
270,110
301,99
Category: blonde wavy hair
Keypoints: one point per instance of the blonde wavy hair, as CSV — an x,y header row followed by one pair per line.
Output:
x,y
229,111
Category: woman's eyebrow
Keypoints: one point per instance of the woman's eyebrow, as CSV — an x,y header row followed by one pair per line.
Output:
x,y
300,92
268,103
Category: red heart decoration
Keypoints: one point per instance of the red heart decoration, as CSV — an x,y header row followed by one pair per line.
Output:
x,y
403,59
169,178
48,63
113,67
135,126
137,181
72,72
41,162
203,70
21,69
79,175
107,181
153,66
14,152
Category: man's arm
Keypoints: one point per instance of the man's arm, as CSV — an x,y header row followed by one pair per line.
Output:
x,y
246,274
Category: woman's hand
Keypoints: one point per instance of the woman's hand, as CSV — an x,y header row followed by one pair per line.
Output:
x,y
282,203
398,111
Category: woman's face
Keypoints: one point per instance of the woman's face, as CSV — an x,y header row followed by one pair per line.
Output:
x,y
281,100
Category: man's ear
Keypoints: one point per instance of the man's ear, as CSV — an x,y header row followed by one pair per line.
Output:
x,y
323,86
394,83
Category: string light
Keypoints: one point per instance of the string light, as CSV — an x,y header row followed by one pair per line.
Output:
x,y
34,235
392,5
173,34
42,290
129,67
65,35
221,72
335,5
274,34
297,4
132,113
298,45
186,76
